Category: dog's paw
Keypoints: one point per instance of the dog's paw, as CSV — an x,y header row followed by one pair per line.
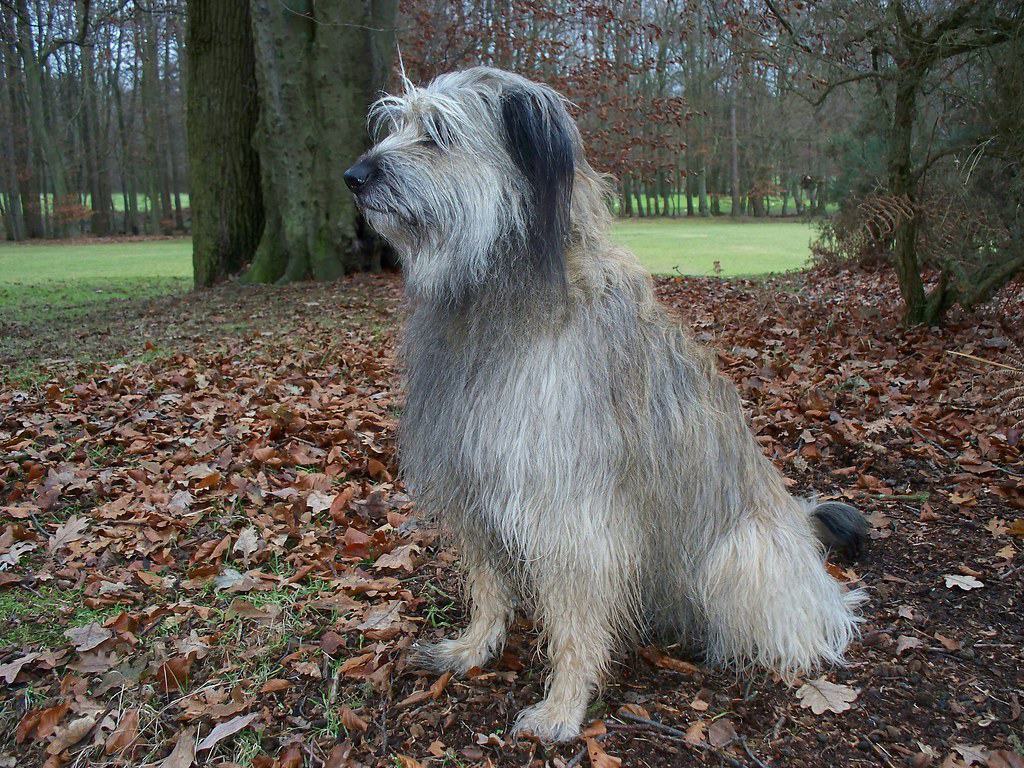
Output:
x,y
454,656
549,722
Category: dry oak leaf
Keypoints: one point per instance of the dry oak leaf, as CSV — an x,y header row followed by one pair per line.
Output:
x,y
400,558
10,670
225,729
822,696
184,753
906,642
87,637
599,758
971,755
352,721
721,732
71,734
71,531
125,733
248,542
965,583
382,616
407,762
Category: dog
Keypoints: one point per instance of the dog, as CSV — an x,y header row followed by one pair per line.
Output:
x,y
583,452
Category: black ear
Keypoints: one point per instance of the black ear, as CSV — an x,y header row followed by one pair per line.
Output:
x,y
539,135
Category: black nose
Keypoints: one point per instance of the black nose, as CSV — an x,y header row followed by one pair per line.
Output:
x,y
359,174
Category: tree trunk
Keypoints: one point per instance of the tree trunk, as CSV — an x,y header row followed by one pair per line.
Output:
x,y
155,166
318,68
14,221
95,144
42,137
734,154
171,177
222,109
908,270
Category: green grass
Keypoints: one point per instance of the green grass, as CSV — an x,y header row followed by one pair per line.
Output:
x,y
40,617
37,280
692,246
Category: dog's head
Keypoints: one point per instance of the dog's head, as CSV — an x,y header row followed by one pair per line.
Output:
x,y
472,181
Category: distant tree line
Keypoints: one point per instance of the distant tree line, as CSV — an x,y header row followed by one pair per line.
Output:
x,y
900,119
91,106
669,99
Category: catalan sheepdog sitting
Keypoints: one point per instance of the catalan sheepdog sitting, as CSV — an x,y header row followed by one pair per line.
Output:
x,y
589,461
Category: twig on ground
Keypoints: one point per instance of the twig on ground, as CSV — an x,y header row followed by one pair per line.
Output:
x,y
746,748
578,757
680,736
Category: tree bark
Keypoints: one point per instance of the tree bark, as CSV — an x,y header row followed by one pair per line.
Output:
x,y
155,166
734,154
908,270
95,144
14,221
318,68
42,136
222,109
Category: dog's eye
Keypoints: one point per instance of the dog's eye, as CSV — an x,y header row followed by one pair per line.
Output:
x,y
428,142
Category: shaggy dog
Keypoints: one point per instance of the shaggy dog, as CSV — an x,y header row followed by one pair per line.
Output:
x,y
584,452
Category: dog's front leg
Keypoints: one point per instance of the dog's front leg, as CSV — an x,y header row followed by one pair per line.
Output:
x,y
580,605
491,610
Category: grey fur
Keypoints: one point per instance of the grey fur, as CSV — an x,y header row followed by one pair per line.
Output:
x,y
581,449
840,526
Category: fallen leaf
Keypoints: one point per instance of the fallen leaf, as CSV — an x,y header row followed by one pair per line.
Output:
x,y
9,671
124,734
965,583
906,643
275,685
822,696
172,675
225,729
88,636
599,758
72,530
695,732
721,732
248,542
971,755
352,721
72,733
1002,758
184,753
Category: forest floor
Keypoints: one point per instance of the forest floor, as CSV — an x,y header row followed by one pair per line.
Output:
x,y
206,559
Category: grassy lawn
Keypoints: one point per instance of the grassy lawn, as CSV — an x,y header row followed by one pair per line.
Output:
x,y
41,281
692,246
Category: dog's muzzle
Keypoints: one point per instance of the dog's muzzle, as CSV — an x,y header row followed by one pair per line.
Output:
x,y
361,174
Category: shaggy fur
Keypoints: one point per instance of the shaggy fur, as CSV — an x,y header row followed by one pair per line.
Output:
x,y
587,457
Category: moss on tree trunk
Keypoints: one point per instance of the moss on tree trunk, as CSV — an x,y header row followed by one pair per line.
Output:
x,y
318,67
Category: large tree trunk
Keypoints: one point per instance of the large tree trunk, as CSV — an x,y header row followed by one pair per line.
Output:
x,y
14,222
908,270
318,68
95,144
227,205
43,138
734,154
151,117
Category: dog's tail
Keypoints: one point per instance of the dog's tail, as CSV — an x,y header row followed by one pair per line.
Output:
x,y
840,526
